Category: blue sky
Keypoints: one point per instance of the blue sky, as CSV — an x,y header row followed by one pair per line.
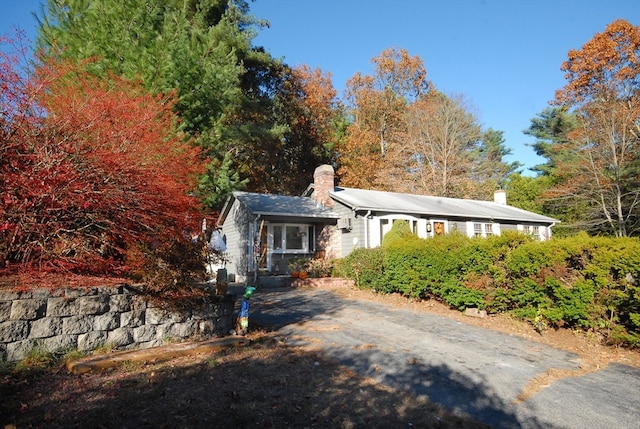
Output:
x,y
504,56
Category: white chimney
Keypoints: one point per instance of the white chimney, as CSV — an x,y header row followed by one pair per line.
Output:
x,y
500,197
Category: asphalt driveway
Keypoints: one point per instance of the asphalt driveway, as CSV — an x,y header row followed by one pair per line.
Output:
x,y
468,369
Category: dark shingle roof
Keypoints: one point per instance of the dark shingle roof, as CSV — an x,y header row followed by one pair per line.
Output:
x,y
283,205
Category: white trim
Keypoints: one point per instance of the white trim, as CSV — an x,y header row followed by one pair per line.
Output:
x,y
374,232
414,224
367,217
470,230
422,228
304,227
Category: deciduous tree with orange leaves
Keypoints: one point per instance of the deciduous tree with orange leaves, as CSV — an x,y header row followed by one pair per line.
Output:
x,y
370,155
601,169
94,177
406,136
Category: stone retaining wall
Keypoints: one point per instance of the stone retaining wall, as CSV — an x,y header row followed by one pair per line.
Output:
x,y
84,319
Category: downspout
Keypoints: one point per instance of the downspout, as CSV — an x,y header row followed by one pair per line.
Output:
x,y
255,245
366,229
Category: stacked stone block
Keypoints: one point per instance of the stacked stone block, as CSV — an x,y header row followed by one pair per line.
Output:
x,y
85,319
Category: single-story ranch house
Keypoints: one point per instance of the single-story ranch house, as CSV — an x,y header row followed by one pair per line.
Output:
x,y
266,231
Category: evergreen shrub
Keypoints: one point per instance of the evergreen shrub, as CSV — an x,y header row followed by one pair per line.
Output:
x,y
364,266
578,282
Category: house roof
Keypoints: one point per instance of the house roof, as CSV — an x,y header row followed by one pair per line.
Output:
x,y
379,201
279,206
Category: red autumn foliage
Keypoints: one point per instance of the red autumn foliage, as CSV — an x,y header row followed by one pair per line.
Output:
x,y
93,176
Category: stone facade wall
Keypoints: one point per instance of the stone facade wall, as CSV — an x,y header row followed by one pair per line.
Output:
x,y
84,319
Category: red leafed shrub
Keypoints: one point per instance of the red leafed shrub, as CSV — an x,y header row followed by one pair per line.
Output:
x,y
90,171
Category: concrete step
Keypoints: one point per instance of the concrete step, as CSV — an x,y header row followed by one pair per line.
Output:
x,y
273,282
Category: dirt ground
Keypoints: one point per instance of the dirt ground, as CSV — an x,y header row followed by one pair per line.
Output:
x,y
261,385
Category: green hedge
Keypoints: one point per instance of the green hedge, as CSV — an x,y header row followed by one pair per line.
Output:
x,y
579,282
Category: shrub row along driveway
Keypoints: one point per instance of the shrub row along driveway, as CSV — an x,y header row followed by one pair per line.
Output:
x,y
470,370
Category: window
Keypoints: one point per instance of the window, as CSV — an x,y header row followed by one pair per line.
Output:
x,y
536,232
485,229
488,229
277,237
477,230
533,230
292,238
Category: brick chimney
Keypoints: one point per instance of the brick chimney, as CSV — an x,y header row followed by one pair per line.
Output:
x,y
323,183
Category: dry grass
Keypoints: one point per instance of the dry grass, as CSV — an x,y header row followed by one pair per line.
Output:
x,y
261,385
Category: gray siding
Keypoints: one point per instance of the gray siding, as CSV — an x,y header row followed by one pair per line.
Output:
x,y
236,230
356,233
344,238
458,226
508,227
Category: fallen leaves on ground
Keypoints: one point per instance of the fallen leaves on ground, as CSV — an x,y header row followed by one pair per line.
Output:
x,y
265,384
